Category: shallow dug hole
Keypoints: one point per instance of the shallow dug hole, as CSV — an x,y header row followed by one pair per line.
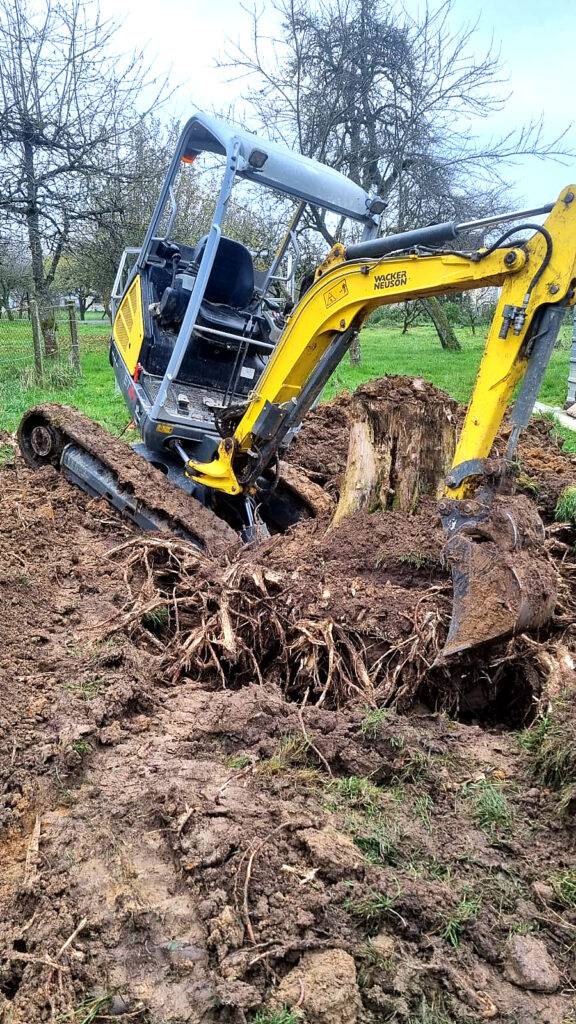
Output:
x,y
235,790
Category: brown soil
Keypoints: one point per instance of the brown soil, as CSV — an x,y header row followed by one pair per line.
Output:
x,y
202,815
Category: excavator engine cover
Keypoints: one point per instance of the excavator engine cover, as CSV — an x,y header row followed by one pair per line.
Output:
x,y
503,582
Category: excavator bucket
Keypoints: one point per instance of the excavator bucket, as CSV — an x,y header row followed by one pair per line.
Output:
x,y
503,582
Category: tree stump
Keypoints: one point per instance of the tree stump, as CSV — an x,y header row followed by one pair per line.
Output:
x,y
402,442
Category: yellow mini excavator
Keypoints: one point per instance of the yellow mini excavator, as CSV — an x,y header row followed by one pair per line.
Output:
x,y
218,377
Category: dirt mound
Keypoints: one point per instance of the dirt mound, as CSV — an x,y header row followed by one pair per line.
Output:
x,y
321,446
547,470
225,783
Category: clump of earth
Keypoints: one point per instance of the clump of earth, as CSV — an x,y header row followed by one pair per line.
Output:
x,y
236,789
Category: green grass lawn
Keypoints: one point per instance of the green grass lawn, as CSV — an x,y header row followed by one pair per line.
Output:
x,y
93,392
384,350
419,354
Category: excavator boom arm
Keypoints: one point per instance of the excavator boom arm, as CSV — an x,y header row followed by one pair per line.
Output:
x,y
533,276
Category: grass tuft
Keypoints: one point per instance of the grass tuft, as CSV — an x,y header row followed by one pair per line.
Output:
x,y
81,746
423,806
380,844
415,766
237,761
551,744
87,689
357,791
490,807
7,455
156,619
452,925
531,739
89,1011
565,511
417,559
431,1012
370,910
56,376
528,484
564,885
373,721
282,1016
292,753
432,867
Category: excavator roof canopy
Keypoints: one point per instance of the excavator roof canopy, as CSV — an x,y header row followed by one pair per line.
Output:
x,y
276,167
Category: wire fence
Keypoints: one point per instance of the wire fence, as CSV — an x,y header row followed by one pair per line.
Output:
x,y
45,346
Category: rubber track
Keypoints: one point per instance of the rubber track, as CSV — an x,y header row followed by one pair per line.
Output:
x,y
146,483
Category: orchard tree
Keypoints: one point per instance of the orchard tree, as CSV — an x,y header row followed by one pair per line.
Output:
x,y
15,276
68,104
75,276
394,101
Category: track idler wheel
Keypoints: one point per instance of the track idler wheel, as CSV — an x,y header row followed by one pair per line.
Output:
x,y
40,442
503,582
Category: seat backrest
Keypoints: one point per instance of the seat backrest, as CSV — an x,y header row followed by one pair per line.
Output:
x,y
231,280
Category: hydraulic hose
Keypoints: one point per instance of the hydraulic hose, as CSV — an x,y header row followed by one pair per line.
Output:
x,y
433,235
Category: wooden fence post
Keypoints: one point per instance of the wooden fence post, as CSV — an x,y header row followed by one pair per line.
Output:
x,y
571,398
75,344
36,337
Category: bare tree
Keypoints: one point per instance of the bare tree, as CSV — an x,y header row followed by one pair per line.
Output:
x,y
75,277
121,203
15,276
68,102
392,100
478,306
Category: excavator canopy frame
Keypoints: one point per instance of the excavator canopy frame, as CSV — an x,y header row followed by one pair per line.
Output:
x,y
266,164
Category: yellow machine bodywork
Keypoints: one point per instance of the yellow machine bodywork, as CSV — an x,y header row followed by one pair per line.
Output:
x,y
128,327
345,292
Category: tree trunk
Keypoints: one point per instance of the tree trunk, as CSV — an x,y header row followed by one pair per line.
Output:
x,y
39,286
355,351
402,443
48,325
448,339
5,302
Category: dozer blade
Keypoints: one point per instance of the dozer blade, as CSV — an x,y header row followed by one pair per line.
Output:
x,y
503,582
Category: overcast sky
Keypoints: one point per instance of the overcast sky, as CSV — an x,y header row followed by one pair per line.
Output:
x,y
537,42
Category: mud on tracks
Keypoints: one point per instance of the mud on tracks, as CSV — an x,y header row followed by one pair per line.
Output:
x,y
215,829
144,482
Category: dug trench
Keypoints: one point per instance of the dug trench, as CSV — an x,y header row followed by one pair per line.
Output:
x,y
235,789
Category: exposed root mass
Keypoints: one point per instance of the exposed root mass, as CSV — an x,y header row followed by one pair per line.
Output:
x,y
233,784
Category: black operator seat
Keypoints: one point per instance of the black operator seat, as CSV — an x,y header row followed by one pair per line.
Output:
x,y
231,281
